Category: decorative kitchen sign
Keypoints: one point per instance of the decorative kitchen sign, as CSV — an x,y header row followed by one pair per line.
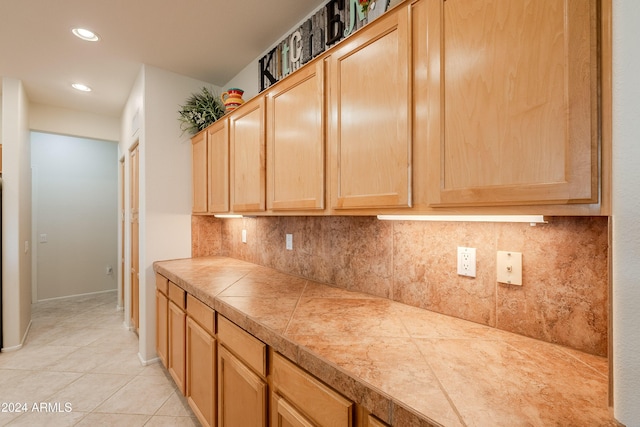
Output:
x,y
334,21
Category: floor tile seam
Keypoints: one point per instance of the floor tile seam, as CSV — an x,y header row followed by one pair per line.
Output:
x,y
84,415
111,395
193,418
120,413
163,403
173,389
112,413
49,397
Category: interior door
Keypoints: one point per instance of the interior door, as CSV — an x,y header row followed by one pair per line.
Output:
x,y
121,169
135,235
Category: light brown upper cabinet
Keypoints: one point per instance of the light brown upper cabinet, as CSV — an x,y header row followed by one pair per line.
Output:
x,y
296,141
370,116
199,172
210,168
218,166
509,97
247,140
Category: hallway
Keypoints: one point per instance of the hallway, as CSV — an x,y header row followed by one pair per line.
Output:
x,y
80,367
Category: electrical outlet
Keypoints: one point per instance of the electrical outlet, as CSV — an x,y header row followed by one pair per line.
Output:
x,y
466,261
289,242
244,236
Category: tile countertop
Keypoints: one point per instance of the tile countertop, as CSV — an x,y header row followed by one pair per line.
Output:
x,y
406,365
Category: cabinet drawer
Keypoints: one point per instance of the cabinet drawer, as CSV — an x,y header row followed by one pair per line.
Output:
x,y
320,403
177,295
162,283
201,313
248,348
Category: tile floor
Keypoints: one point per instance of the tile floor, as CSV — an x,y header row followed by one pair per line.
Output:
x,y
80,367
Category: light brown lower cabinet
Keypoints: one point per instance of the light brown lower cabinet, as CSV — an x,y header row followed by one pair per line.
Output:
x,y
301,400
242,394
242,377
177,336
201,361
285,415
162,319
374,422
231,378
201,373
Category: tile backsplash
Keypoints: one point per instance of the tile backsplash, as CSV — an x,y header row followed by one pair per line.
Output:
x,y
563,300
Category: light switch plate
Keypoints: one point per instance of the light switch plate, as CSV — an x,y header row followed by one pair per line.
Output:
x,y
289,242
244,236
509,265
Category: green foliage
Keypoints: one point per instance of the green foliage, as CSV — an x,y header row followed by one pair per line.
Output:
x,y
200,110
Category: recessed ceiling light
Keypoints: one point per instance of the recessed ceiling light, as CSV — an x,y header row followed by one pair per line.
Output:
x,y
85,34
81,87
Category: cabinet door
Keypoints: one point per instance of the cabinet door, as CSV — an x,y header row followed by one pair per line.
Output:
x,y
512,101
374,422
199,172
162,327
285,415
370,116
177,344
201,373
246,130
296,141
242,395
218,167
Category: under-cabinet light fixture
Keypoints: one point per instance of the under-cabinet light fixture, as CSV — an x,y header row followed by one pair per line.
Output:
x,y
226,216
532,219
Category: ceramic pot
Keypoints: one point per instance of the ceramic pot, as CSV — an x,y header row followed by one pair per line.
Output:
x,y
232,99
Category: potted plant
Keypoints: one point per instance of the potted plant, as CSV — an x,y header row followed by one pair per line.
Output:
x,y
200,110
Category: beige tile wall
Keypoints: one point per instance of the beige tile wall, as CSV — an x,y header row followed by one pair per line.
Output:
x,y
564,299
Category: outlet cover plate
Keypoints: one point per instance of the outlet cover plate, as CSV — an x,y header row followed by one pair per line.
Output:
x,y
466,261
509,266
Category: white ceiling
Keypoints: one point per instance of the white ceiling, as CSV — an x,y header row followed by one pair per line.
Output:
x,y
209,40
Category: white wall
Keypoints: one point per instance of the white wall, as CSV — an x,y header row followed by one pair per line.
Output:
x,y
165,183
16,204
64,121
626,208
75,205
0,111
249,79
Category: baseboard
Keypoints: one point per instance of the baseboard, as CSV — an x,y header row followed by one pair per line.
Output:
x,y
78,295
148,362
19,346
